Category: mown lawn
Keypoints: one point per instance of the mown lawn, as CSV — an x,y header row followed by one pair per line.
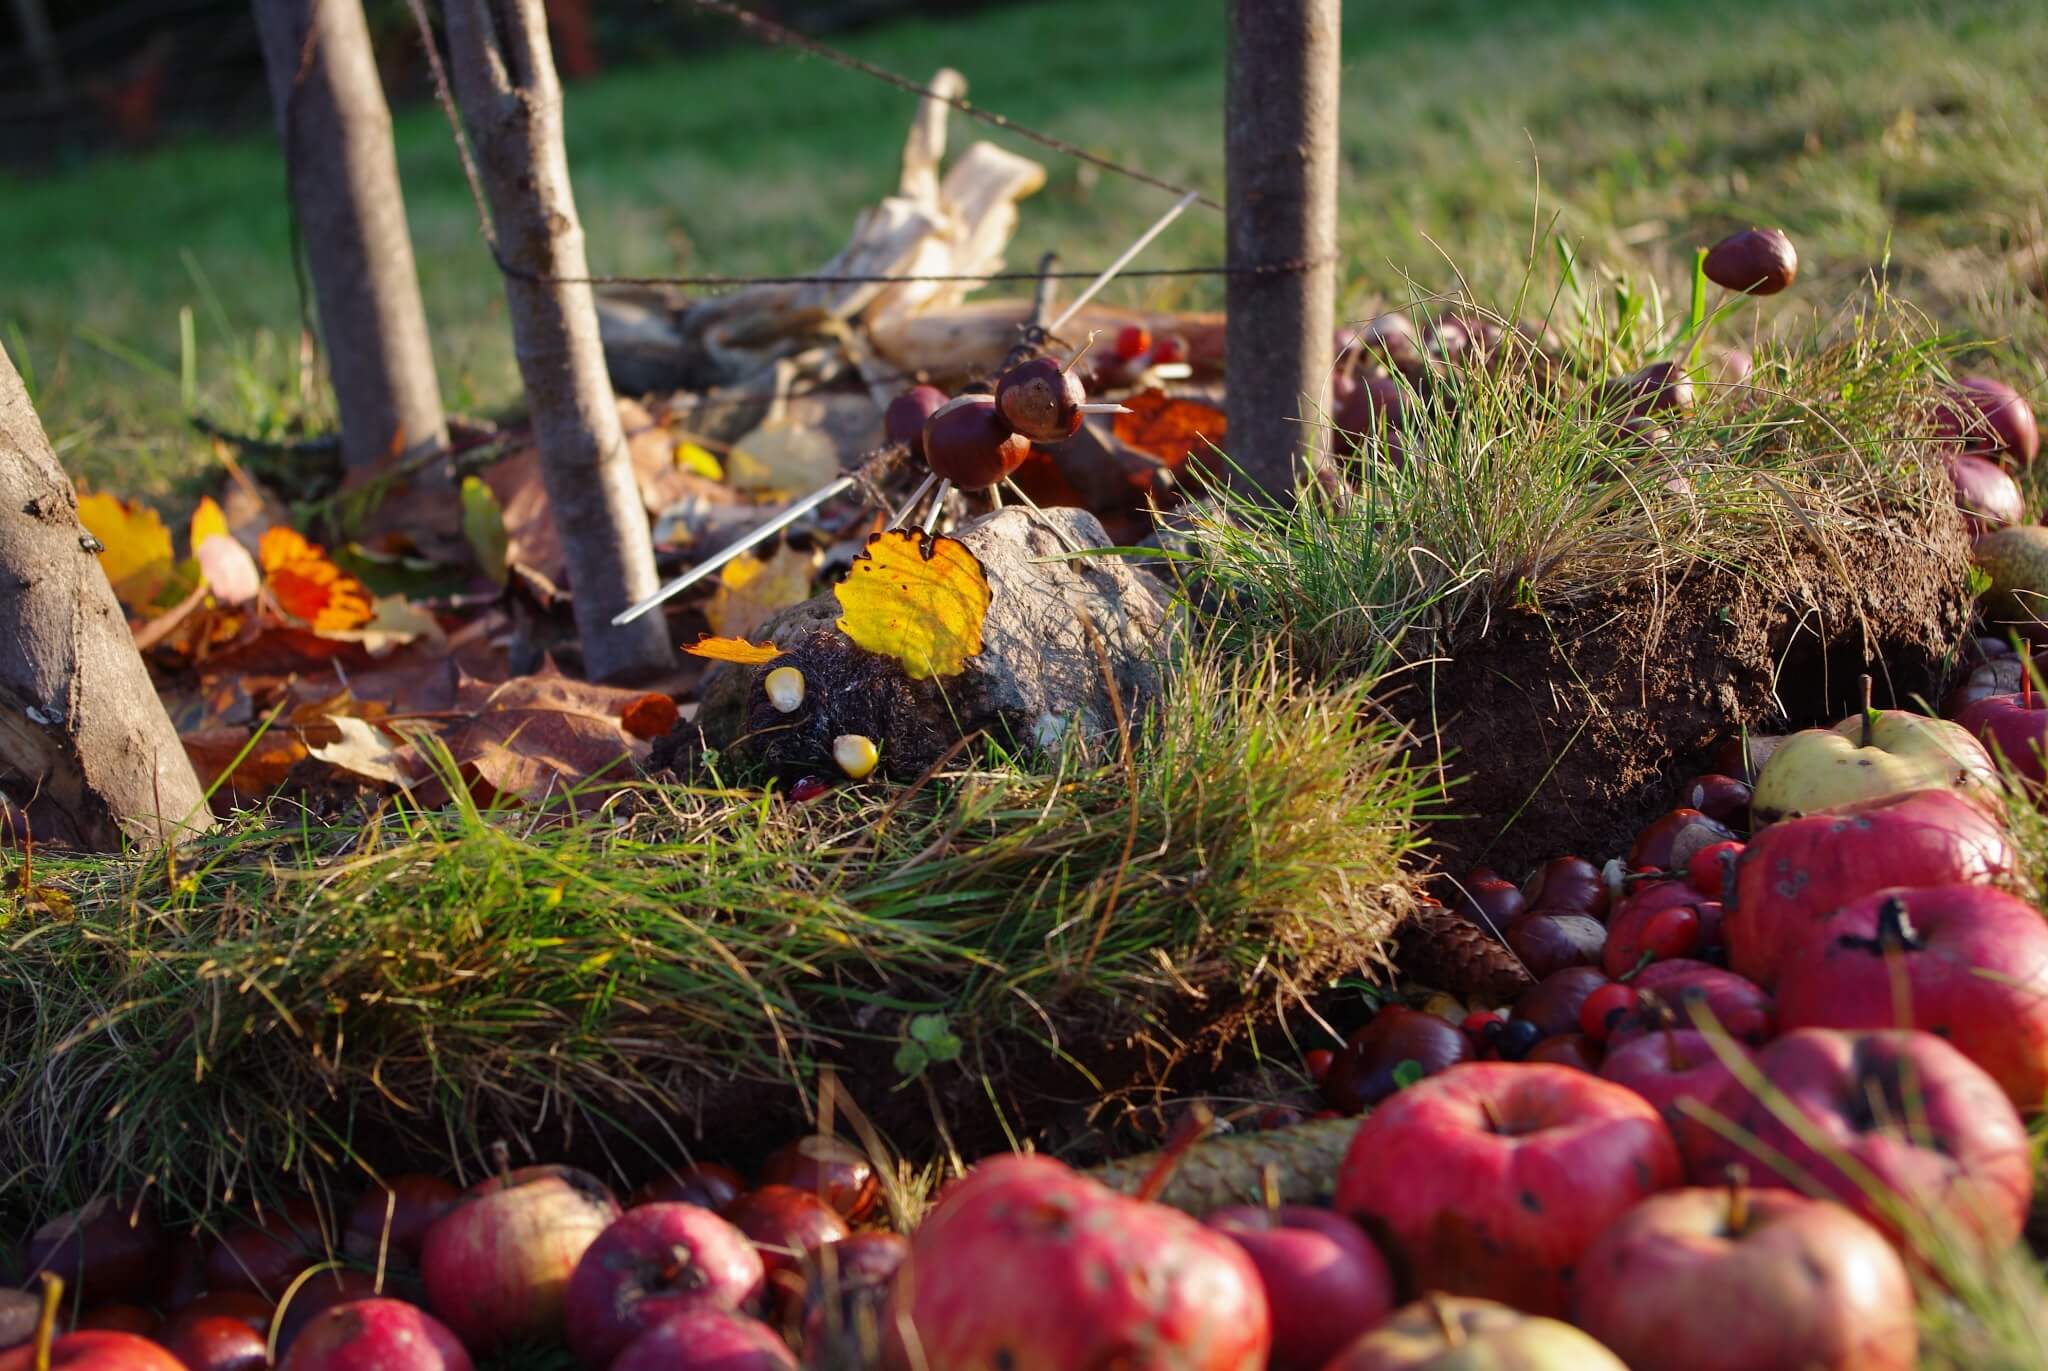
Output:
x,y
1873,130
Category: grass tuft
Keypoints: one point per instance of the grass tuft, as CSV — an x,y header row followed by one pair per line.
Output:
x,y
232,1027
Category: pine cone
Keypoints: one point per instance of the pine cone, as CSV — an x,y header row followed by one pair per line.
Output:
x,y
1440,950
1219,1172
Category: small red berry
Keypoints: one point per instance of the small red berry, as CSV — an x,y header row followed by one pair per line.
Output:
x,y
1474,1024
1316,1061
1169,349
1672,933
1601,1008
1133,341
1709,865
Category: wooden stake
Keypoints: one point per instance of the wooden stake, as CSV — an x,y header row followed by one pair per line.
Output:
x,y
1280,156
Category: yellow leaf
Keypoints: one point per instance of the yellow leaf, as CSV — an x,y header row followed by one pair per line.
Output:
x,y
750,591
733,650
207,522
698,460
135,547
916,598
782,455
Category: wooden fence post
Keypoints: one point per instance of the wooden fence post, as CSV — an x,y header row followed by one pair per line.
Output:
x,y
1280,158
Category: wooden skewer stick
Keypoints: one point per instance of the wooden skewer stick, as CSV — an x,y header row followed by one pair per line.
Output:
x,y
909,506
757,537
1109,272
1103,407
931,520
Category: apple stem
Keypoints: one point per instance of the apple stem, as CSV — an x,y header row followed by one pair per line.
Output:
x,y
1738,1198
501,1157
1869,714
1269,1187
1895,931
1492,1119
1192,1128
46,1324
1453,1331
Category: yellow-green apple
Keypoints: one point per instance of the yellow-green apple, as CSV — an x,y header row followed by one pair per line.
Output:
x,y
1450,1333
1810,1286
1491,1178
1964,961
1896,1124
1802,870
497,1264
1873,753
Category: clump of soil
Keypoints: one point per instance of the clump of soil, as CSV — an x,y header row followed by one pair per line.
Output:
x,y
1571,729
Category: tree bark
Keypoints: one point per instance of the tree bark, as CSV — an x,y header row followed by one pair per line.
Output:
x,y
511,103
1280,160
336,132
86,750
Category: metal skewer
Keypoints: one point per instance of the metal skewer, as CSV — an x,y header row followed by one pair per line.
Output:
x,y
757,537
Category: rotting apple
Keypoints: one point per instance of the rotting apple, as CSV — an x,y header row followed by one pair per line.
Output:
x,y
317,1295
1325,1282
2013,728
88,1350
1812,1286
1491,1178
1966,962
1025,1264
708,1340
1801,870
376,1335
1908,1132
1871,754
654,1261
497,1265
1451,1333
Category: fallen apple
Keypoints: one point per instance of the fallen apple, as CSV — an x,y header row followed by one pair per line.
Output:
x,y
708,1340
1813,1286
1449,1333
263,1257
1802,870
1325,1282
654,1261
216,1344
106,1250
1670,1066
2014,729
1905,1129
845,1290
1871,754
87,1350
1492,1178
316,1296
376,1335
497,1265
1966,962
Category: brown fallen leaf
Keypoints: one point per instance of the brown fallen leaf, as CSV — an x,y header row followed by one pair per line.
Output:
x,y
536,737
363,751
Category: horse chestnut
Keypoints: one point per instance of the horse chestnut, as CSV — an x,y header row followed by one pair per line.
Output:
x,y
903,422
1041,400
967,442
1755,262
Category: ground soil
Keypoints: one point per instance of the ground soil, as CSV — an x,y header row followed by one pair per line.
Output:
x,y
1570,729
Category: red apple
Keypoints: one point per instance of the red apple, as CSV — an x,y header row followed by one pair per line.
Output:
x,y
263,1257
93,1350
1921,1127
707,1340
1492,1178
1739,1007
1809,1286
106,1250
1444,1333
2014,727
1670,1066
1325,1282
1801,870
318,1295
1659,921
1566,885
1548,943
836,1172
654,1261
705,1184
239,1305
785,1224
1370,1067
845,1288
497,1265
1966,962
376,1335
217,1344
412,1202
1578,1051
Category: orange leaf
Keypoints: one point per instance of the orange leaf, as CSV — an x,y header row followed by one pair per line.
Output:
x,y
308,586
1169,428
650,717
916,598
733,650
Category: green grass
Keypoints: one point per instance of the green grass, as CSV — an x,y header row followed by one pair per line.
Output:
x,y
461,975
1656,125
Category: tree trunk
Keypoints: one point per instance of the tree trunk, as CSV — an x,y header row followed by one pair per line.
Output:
x,y
1280,160
336,131
86,750
512,106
